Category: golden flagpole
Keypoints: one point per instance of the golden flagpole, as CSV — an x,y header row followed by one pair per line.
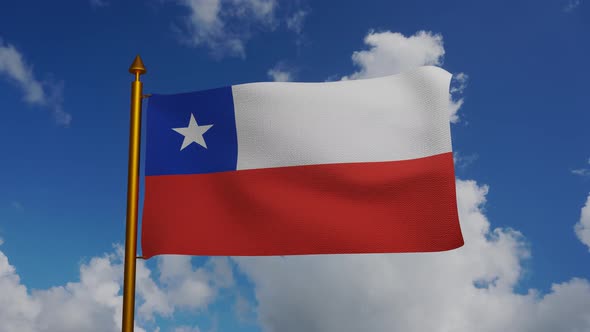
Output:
x,y
137,68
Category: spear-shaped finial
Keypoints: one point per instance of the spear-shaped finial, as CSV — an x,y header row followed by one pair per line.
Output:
x,y
137,66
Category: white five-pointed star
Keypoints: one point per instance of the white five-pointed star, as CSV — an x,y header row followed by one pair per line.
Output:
x,y
193,133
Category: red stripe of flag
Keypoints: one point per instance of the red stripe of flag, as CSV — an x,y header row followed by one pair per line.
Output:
x,y
376,207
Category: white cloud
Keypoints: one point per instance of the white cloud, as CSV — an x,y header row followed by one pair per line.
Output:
x,y
468,289
296,21
261,9
581,171
582,228
278,75
155,299
391,53
281,72
222,273
458,85
17,309
223,25
462,160
94,302
184,286
13,66
461,80
571,5
187,329
49,95
584,171
244,310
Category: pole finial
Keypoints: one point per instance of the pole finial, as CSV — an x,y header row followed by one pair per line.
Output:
x,y
137,66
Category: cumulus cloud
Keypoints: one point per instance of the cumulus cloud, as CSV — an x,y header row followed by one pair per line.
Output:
x,y
391,53
223,25
17,309
186,287
155,299
44,94
468,289
94,302
582,228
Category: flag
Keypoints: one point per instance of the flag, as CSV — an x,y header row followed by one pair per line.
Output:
x,y
282,168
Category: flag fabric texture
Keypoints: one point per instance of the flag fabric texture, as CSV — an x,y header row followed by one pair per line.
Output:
x,y
282,168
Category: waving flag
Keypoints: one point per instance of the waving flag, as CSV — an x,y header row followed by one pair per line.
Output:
x,y
360,166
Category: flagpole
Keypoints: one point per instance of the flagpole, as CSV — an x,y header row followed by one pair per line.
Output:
x,y
137,68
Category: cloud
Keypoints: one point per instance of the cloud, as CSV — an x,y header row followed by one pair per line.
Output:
x,y
187,329
278,75
94,302
13,66
193,288
281,72
17,309
221,271
458,85
584,171
572,5
581,171
223,25
44,94
391,53
467,289
461,80
582,228
295,22
244,310
462,161
155,299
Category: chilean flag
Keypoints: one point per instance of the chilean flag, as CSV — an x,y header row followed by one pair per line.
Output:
x,y
358,166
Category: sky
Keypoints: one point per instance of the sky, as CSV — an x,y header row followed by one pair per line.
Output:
x,y
519,123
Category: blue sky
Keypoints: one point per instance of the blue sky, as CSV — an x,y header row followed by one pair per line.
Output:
x,y
520,137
